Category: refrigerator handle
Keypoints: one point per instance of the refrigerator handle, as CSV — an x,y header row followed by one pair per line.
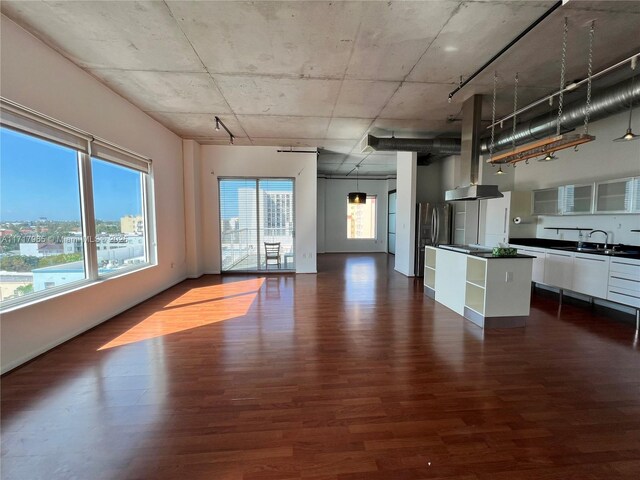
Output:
x,y
434,226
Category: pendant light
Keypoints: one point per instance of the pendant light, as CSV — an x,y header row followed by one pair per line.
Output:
x,y
357,197
500,171
629,135
549,157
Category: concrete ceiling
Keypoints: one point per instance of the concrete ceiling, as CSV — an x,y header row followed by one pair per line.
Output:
x,y
322,74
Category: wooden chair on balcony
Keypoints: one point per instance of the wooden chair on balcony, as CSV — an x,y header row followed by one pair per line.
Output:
x,y
272,253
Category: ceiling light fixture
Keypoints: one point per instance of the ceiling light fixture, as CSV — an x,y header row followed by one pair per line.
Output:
x,y
357,197
221,123
549,157
629,135
500,171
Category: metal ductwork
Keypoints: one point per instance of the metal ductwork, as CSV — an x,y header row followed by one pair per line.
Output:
x,y
468,164
436,146
608,102
605,103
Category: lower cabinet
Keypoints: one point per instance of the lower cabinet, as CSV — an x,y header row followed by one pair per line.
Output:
x,y
537,274
590,274
558,269
624,281
613,278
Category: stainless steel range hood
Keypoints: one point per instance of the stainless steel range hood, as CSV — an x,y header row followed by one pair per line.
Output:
x,y
470,156
472,192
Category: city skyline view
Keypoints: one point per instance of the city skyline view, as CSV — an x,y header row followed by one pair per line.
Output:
x,y
229,193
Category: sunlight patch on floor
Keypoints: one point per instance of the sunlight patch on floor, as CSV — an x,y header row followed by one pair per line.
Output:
x,y
196,308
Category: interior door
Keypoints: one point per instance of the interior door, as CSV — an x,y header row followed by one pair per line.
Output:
x,y
391,222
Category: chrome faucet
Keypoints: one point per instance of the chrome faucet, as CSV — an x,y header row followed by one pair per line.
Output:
x,y
606,237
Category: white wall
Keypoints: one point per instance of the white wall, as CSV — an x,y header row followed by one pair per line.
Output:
x,y
36,76
237,161
601,159
406,212
193,207
335,215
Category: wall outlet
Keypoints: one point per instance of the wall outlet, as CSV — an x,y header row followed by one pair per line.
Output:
x,y
508,277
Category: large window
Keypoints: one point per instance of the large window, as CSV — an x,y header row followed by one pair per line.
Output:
x,y
39,215
361,219
119,216
257,224
66,218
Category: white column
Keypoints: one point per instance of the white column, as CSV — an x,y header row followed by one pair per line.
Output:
x,y
407,171
192,207
322,185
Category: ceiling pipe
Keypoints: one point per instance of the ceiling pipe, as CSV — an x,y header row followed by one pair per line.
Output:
x,y
607,102
437,146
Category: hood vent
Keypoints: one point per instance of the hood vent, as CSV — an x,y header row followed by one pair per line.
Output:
x,y
470,156
472,192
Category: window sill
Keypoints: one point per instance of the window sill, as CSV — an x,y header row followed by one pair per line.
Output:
x,y
73,287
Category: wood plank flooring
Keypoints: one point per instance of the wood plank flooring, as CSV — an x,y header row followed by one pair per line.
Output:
x,y
350,374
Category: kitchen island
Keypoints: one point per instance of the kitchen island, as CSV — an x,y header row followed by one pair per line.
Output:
x,y
492,292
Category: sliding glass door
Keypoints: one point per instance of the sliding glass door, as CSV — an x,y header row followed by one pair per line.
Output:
x,y
257,224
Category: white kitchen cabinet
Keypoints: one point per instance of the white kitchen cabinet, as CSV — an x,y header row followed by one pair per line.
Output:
x,y
429,269
490,292
590,274
558,269
614,196
499,215
537,274
547,201
635,204
451,274
489,283
577,199
624,281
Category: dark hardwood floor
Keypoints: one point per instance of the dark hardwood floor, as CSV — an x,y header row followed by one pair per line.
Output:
x,y
348,374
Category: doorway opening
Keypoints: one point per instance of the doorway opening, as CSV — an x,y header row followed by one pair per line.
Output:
x,y
257,224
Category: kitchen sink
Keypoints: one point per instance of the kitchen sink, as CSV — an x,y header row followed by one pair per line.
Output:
x,y
591,250
600,251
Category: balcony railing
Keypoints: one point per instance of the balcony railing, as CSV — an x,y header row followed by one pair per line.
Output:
x,y
243,249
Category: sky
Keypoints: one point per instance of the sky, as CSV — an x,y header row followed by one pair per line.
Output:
x,y
40,179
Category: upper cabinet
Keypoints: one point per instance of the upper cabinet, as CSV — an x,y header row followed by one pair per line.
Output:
x,y
610,196
547,201
635,205
577,199
614,196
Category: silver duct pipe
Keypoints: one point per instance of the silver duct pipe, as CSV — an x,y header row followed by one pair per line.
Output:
x,y
437,146
608,102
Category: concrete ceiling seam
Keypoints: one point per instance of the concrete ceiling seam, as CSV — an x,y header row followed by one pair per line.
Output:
x,y
453,13
204,66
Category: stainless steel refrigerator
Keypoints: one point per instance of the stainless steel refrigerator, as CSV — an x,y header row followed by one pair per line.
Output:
x,y
434,223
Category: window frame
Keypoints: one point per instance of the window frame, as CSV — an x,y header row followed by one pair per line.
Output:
x,y
375,217
33,124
